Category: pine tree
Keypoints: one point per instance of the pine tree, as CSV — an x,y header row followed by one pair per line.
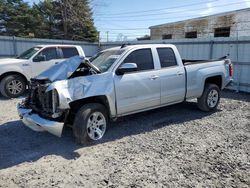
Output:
x,y
49,13
17,18
56,19
77,20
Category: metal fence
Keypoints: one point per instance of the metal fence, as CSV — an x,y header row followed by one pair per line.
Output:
x,y
13,46
238,50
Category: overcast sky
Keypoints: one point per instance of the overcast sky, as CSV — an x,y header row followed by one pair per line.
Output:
x,y
131,18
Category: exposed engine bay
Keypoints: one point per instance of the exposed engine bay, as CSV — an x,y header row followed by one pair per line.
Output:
x,y
45,103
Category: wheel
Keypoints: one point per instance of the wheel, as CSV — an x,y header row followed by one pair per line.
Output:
x,y
91,123
210,98
13,86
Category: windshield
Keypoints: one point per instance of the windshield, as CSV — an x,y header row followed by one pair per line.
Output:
x,y
104,60
29,53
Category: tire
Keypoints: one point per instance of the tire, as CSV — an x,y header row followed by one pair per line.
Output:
x,y
210,98
83,131
13,86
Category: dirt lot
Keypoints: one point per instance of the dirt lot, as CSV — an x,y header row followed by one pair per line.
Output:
x,y
176,146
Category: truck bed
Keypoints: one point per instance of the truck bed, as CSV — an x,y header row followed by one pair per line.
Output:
x,y
194,61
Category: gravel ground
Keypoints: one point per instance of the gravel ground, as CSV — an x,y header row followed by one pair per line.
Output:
x,y
176,146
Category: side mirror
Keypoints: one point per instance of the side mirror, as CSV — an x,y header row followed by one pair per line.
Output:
x,y
126,68
39,58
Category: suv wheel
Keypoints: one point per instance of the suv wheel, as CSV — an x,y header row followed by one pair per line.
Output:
x,y
91,123
13,86
210,98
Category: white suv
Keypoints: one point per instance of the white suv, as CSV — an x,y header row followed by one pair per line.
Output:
x,y
16,72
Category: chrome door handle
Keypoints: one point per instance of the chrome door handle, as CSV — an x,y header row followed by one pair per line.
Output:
x,y
153,77
180,73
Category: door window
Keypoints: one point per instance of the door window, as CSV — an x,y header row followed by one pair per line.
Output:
x,y
69,52
49,53
143,58
167,57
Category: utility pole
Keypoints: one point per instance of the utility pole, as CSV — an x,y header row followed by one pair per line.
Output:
x,y
99,39
107,35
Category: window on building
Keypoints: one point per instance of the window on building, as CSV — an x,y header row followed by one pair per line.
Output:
x,y
222,32
143,58
167,36
167,57
190,35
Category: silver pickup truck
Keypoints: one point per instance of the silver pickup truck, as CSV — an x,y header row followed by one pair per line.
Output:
x,y
87,94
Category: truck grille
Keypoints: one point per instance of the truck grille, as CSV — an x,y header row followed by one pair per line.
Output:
x,y
43,103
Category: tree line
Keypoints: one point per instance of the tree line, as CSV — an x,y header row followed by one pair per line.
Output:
x,y
53,19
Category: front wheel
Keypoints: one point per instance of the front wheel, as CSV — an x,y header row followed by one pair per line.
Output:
x,y
210,98
91,123
13,86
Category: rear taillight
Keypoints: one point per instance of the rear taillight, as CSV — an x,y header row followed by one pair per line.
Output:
x,y
230,70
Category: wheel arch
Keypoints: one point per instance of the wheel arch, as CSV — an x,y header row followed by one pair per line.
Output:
x,y
217,80
76,105
13,73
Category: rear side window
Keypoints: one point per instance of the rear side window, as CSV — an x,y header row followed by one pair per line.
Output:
x,y
143,58
69,52
49,53
167,57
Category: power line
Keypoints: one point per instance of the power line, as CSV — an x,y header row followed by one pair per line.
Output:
x,y
125,29
152,10
232,29
166,13
131,34
204,36
121,20
132,29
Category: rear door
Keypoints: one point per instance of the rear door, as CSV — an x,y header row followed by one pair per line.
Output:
x,y
52,57
172,77
138,90
68,52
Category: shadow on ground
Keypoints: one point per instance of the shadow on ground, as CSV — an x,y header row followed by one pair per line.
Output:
x,y
2,98
20,144
242,96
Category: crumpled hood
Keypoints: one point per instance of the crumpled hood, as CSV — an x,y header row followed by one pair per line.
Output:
x,y
6,61
82,87
61,71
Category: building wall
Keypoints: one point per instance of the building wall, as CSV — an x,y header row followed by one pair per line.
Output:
x,y
238,21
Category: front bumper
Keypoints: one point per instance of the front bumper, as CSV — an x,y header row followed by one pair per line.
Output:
x,y
37,123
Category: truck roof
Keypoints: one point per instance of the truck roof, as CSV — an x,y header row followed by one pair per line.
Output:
x,y
141,46
55,45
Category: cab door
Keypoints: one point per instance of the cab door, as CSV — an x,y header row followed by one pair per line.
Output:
x,y
172,77
140,89
50,57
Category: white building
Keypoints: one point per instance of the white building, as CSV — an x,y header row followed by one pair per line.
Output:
x,y
228,24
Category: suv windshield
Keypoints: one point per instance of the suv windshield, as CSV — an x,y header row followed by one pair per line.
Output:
x,y
29,53
104,60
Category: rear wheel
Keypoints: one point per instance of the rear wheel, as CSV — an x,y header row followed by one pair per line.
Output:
x,y
13,86
91,123
210,98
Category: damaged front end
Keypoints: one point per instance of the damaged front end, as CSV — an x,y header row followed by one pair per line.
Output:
x,y
43,102
40,110
55,93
